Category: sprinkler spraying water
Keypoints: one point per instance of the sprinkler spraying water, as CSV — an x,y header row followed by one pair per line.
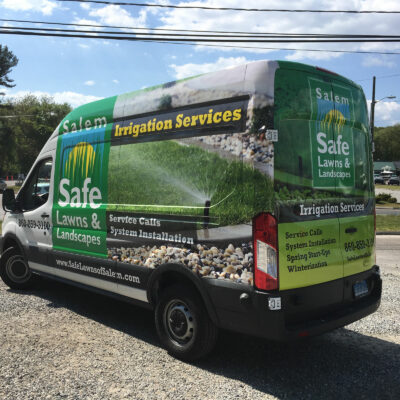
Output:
x,y
206,214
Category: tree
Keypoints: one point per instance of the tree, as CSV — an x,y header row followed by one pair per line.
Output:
x,y
7,61
25,128
387,143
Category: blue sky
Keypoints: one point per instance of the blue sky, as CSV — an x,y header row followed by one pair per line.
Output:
x,y
82,70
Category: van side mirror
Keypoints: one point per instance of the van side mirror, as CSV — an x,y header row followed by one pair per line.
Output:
x,y
9,202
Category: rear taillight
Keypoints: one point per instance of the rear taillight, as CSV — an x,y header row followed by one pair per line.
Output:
x,y
265,244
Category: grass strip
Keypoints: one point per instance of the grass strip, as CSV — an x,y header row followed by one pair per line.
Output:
x,y
388,223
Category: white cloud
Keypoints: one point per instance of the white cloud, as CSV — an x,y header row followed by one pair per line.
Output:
x,y
91,29
72,98
378,61
115,15
387,113
90,83
185,70
46,7
303,55
84,21
84,46
85,6
290,23
116,81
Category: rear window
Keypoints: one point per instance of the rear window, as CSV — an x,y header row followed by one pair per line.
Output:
x,y
323,152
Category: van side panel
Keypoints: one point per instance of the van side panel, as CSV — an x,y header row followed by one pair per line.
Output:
x,y
169,174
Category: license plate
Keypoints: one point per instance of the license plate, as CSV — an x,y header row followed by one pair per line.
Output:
x,y
360,288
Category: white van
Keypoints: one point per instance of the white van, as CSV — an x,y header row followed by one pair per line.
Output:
x,y
241,199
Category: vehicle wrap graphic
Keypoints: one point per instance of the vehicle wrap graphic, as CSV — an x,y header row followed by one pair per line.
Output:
x,y
331,136
324,194
80,198
176,173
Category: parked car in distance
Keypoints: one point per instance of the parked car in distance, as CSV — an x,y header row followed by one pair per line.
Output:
x,y
394,180
42,188
20,179
379,179
3,185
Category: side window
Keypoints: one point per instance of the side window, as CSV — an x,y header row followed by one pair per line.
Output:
x,y
36,190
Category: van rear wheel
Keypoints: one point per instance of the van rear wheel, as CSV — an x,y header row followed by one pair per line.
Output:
x,y
183,324
14,270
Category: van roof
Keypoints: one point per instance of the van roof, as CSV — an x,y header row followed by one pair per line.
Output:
x,y
255,79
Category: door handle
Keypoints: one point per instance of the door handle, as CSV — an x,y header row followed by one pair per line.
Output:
x,y
351,230
45,215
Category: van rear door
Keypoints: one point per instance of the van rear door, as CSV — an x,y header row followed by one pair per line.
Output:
x,y
305,170
356,216
323,177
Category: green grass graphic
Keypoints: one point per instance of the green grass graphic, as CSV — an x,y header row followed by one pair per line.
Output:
x,y
166,177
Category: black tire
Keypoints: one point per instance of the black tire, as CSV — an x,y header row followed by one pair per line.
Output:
x,y
183,324
14,270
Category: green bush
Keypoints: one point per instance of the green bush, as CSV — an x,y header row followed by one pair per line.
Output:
x,y
384,198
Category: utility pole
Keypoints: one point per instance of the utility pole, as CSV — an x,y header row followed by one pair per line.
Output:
x,y
373,102
373,113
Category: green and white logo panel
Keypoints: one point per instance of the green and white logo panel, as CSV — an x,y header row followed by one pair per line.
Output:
x,y
331,134
80,196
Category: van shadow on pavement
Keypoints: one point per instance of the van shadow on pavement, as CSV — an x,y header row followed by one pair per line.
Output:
x,y
105,310
339,365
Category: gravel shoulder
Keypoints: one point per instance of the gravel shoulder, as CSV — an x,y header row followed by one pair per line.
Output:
x,y
60,342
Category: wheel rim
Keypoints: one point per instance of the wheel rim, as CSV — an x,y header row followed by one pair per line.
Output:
x,y
17,269
179,322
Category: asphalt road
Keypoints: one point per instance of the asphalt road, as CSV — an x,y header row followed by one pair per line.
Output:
x,y
387,211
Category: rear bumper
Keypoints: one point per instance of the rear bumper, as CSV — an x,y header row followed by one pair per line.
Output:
x,y
305,312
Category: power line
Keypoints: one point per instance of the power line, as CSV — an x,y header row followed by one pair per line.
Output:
x,y
273,35
380,77
7,30
205,45
212,45
187,30
286,49
17,116
121,3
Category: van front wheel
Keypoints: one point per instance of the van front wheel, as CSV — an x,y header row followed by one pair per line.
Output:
x,y
14,270
183,324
